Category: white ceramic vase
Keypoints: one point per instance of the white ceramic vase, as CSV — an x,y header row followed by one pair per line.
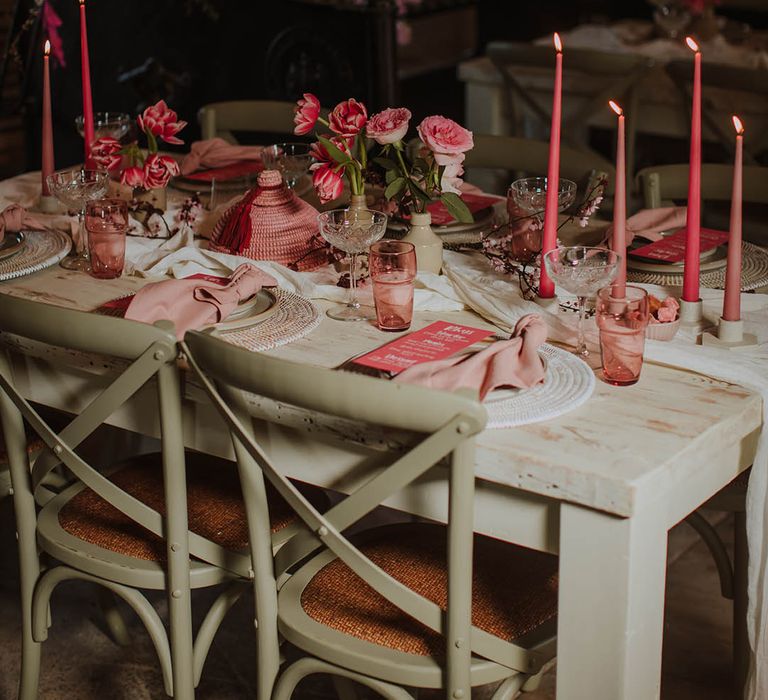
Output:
x,y
429,246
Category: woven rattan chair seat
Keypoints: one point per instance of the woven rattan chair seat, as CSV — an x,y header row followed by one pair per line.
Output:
x,y
34,444
215,505
514,589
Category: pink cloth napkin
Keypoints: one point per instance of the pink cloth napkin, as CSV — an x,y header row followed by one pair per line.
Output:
x,y
216,153
194,303
505,363
15,218
649,223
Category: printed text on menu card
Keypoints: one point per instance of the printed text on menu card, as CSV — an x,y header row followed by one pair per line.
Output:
x,y
434,342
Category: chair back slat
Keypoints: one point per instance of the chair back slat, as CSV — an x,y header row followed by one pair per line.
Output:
x,y
225,372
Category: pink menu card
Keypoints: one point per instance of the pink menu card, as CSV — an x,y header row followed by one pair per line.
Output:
x,y
434,342
672,248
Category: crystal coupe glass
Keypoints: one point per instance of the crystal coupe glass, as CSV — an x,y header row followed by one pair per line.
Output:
x,y
582,271
530,194
73,188
353,231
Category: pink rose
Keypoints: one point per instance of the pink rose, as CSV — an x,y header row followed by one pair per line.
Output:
x,y
133,176
449,159
162,122
105,152
667,312
348,118
388,126
158,170
444,136
307,111
328,183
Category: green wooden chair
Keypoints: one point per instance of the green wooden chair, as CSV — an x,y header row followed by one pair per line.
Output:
x,y
222,119
399,606
161,521
664,185
530,157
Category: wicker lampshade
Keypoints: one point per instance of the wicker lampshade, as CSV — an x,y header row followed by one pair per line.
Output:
x,y
271,223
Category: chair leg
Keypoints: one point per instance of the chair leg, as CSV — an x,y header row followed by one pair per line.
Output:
x,y
741,650
345,690
31,652
113,618
508,689
532,684
717,549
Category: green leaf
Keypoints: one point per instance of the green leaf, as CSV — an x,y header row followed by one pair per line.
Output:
x,y
421,165
390,176
419,193
394,187
456,207
386,163
334,151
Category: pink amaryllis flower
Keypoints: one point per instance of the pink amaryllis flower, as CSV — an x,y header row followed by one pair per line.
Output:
x,y
444,137
348,117
389,125
162,122
133,176
328,183
307,110
158,170
105,152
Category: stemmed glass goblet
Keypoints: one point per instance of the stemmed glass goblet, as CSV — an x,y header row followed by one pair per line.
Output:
x,y
291,159
353,231
530,194
581,270
73,188
114,124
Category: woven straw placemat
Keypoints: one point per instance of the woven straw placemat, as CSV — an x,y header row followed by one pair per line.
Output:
x,y
568,384
41,249
296,316
754,272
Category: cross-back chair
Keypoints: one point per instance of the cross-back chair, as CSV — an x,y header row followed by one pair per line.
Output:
x,y
399,606
162,521
618,76
222,119
741,83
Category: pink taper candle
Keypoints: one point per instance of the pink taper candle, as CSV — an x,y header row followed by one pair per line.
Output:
x,y
549,238
732,299
88,134
693,221
619,238
47,150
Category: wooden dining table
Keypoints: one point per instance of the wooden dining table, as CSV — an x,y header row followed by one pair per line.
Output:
x,y
601,486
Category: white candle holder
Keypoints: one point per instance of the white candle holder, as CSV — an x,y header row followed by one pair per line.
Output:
x,y
730,336
48,204
692,315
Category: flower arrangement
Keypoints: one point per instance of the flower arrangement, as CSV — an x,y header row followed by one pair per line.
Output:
x,y
515,248
663,311
150,170
411,184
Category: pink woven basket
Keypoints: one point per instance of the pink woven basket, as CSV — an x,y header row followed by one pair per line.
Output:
x,y
271,223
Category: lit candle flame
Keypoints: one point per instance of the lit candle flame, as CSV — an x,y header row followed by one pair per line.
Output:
x,y
47,49
692,45
738,125
615,107
558,43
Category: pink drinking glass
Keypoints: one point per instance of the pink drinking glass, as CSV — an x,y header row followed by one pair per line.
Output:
x,y
392,266
106,221
621,320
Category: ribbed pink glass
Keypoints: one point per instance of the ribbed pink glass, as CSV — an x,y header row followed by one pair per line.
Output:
x,y
392,265
106,221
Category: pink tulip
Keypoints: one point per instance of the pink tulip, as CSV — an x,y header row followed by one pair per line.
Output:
x,y
158,170
328,183
320,152
348,117
105,152
133,176
388,126
307,111
162,122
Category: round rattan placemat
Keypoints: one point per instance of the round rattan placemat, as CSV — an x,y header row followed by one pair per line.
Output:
x,y
41,249
568,384
295,317
754,272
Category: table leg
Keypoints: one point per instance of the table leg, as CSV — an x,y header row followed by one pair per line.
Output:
x,y
611,605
